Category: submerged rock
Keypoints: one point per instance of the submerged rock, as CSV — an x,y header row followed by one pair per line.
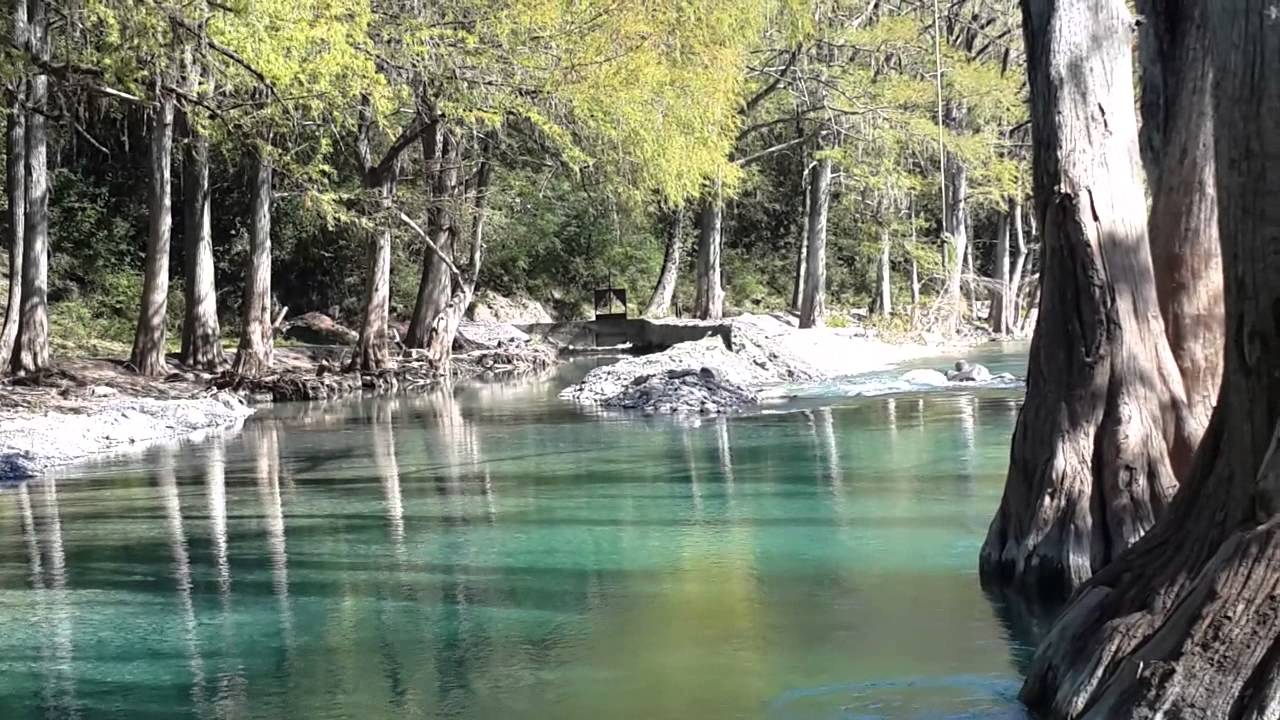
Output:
x,y
928,378
966,372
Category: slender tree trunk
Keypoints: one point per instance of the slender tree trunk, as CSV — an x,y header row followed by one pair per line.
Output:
x,y
709,297
956,228
16,189
32,352
1177,145
999,317
884,281
1186,624
441,159
371,352
802,246
1103,427
201,334
813,301
253,356
660,302
444,327
1013,294
148,356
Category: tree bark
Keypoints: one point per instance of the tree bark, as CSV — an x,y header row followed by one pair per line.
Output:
x,y
1177,145
440,159
16,188
148,356
660,302
813,301
371,352
253,355
444,327
708,301
1102,430
999,317
1186,624
32,352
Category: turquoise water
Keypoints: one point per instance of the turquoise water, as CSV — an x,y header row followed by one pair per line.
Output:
x,y
492,553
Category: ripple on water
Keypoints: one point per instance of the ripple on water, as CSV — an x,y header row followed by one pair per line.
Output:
x,y
953,697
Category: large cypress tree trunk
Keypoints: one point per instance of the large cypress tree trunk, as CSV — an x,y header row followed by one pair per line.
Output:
x,y
1177,145
813,300
441,160
32,352
1097,440
1186,624
148,356
371,352
253,355
708,303
660,301
16,188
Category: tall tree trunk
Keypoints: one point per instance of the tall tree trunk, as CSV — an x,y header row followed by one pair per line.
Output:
x,y
813,301
148,356
1186,624
1013,294
1177,148
660,302
16,188
999,317
802,246
444,327
956,230
440,159
884,275
32,352
201,334
1103,427
253,355
708,301
371,352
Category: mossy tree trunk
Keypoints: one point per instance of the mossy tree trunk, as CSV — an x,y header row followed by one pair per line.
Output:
x,y
813,299
660,301
1186,624
15,187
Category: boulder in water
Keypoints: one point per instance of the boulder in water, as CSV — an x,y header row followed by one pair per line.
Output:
x,y
927,378
967,372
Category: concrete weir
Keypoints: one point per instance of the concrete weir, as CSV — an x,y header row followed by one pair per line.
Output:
x,y
635,334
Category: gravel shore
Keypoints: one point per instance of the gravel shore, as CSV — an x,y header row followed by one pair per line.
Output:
x,y
32,444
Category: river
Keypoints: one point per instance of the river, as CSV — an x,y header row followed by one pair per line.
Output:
x,y
491,552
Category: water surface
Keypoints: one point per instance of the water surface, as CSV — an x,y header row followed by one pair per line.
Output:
x,y
490,552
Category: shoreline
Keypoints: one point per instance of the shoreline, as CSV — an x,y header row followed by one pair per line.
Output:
x,y
90,408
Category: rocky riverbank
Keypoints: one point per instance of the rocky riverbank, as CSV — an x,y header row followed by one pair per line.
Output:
x,y
104,422
767,352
